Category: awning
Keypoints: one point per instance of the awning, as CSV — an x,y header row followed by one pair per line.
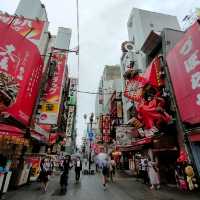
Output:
x,y
194,137
165,149
152,41
142,141
135,146
38,129
39,137
6,129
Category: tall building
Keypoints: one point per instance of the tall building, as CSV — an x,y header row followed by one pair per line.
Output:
x,y
141,23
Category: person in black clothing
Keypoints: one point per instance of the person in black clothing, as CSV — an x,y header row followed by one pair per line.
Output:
x,y
64,176
78,168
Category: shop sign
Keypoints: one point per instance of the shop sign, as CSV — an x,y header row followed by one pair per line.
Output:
x,y
184,67
119,109
72,91
20,74
32,29
68,142
70,121
53,94
100,95
124,135
106,124
153,73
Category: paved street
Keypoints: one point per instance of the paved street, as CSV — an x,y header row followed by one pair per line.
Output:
x,y
90,188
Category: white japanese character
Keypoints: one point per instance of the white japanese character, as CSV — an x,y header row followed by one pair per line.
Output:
x,y
195,80
4,63
198,100
186,48
20,76
8,52
192,62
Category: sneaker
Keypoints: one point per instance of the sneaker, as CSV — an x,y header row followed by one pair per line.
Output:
x,y
152,187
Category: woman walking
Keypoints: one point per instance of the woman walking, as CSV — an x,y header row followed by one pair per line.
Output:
x,y
105,172
153,175
44,176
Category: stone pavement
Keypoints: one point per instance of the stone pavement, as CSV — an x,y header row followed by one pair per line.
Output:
x,y
90,188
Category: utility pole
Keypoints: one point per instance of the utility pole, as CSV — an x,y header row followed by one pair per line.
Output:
x,y
90,140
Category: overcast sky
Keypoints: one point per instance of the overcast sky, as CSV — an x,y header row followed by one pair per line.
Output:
x,y
102,30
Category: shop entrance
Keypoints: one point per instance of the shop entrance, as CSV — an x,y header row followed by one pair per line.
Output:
x,y
167,164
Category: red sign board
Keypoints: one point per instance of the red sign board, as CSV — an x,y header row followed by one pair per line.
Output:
x,y
106,124
153,73
52,96
20,74
32,28
184,67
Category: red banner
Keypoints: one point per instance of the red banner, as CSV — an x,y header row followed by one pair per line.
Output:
x,y
52,97
184,67
106,124
153,73
20,74
32,28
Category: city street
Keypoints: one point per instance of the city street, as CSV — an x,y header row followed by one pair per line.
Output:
x,y
90,188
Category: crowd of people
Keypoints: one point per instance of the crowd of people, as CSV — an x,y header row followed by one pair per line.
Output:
x,y
148,171
66,164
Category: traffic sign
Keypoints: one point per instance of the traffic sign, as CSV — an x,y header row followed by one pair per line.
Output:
x,y
90,135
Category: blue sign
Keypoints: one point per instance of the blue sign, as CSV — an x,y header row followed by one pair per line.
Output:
x,y
90,135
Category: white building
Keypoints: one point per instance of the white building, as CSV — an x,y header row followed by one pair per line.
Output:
x,y
141,23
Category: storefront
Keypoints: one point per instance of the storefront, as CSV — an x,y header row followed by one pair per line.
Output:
x,y
12,146
195,147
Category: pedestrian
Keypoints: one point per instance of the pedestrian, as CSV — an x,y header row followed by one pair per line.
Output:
x,y
44,174
66,166
96,164
51,162
105,172
78,168
144,170
112,168
153,174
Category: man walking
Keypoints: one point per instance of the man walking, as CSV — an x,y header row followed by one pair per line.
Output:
x,y
78,168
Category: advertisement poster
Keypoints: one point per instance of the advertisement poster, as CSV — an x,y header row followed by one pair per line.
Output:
x,y
70,121
124,135
72,91
53,94
32,29
184,67
20,75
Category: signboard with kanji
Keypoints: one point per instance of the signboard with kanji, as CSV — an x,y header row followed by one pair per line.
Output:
x,y
184,67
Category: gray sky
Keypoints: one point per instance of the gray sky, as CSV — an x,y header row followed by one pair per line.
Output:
x,y
102,30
